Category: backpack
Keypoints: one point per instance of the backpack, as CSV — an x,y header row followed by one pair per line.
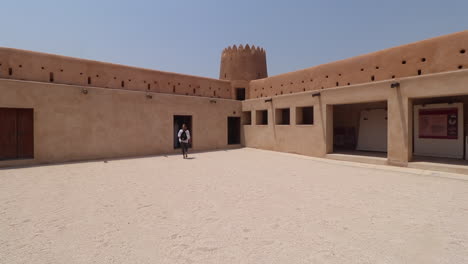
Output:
x,y
183,136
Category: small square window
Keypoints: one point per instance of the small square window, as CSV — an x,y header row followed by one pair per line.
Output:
x,y
282,116
262,117
247,118
305,115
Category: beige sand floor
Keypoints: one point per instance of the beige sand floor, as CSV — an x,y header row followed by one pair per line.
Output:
x,y
236,206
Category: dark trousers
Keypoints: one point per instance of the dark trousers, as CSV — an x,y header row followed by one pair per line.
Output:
x,y
184,147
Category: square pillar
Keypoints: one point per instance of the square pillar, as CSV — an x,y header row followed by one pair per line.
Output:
x,y
399,124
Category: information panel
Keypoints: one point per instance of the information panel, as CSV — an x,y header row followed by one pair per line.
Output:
x,y
438,123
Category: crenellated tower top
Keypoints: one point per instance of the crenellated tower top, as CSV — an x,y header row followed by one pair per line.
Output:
x,y
243,63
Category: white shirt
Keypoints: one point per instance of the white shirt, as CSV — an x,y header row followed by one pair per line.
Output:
x,y
187,132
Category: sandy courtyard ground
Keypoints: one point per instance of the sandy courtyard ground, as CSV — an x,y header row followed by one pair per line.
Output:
x,y
236,206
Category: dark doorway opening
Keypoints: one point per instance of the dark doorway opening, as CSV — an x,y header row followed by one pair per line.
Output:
x,y
240,94
16,133
179,120
234,125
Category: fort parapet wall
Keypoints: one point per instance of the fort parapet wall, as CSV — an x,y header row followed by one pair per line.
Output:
x,y
41,67
440,54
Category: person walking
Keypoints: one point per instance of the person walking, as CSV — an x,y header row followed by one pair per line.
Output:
x,y
184,139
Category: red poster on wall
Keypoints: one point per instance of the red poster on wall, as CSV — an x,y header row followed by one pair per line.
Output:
x,y
439,123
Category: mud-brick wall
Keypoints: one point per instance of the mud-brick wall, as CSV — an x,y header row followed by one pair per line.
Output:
x,y
109,123
441,54
49,68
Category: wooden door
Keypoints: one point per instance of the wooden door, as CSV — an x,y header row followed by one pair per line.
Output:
x,y
25,133
16,133
8,137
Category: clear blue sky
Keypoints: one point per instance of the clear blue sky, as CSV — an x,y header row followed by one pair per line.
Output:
x,y
188,36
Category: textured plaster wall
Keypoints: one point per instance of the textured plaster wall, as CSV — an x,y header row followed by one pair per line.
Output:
x,y
317,139
441,54
42,67
108,123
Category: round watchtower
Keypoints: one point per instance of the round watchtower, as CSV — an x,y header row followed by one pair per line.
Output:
x,y
243,63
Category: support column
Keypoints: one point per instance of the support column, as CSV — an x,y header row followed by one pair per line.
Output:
x,y
399,142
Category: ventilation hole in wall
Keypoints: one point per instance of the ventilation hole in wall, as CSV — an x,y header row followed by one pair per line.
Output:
x,y
372,78
61,70
89,80
225,75
169,83
419,72
291,82
460,66
323,87
263,88
423,59
302,81
214,93
115,78
376,67
42,68
290,91
51,76
462,51
173,88
311,80
393,76
362,69
97,75
304,89
144,81
10,71
337,84
81,73
122,84
129,80
281,92
403,62
349,83
149,86
281,85
178,83
193,90
271,86
21,66
326,76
